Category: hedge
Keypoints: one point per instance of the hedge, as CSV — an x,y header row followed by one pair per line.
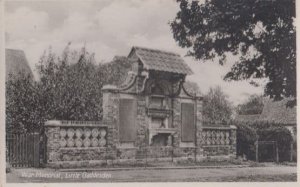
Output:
x,y
249,132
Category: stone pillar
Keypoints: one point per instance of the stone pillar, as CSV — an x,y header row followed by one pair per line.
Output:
x,y
142,139
233,140
199,125
52,133
110,104
176,121
110,113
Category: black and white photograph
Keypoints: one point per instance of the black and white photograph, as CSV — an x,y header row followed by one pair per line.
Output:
x,y
123,91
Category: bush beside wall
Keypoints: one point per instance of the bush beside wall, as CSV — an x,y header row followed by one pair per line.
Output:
x,y
248,132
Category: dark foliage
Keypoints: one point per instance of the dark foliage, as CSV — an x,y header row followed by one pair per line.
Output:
x,y
261,32
254,105
69,88
115,71
249,132
21,103
283,138
246,137
216,107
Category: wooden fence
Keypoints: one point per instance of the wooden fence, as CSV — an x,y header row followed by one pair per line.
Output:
x,y
24,149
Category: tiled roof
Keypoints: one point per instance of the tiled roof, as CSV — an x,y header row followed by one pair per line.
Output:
x,y
154,59
247,117
274,111
279,112
16,62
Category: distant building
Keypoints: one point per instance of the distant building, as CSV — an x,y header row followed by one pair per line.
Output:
x,y
16,63
247,117
277,112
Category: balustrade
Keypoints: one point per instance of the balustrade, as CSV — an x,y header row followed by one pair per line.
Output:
x,y
83,137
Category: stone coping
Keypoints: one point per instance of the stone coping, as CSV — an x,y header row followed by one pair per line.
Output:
x,y
187,145
162,130
219,127
146,147
110,88
58,123
81,148
218,145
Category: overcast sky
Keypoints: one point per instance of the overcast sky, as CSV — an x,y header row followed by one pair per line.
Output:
x,y
109,28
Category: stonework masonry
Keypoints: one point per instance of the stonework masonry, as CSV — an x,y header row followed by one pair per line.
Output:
x,y
151,126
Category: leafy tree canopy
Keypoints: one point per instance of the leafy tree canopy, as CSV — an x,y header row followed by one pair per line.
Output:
x,y
21,103
216,107
69,88
254,105
192,87
116,71
262,32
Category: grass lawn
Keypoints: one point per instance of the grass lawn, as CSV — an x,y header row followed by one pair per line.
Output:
x,y
259,178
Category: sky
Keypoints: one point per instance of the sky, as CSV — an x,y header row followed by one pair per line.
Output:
x,y
110,28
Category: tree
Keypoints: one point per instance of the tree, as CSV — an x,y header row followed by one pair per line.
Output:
x,y
21,105
216,107
115,72
192,87
262,32
69,88
254,105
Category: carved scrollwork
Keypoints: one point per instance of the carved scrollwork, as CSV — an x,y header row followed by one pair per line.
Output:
x,y
129,81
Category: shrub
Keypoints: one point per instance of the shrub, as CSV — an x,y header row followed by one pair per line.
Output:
x,y
248,132
246,137
22,104
283,138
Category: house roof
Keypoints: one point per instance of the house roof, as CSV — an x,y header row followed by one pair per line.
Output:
x,y
274,111
158,60
16,62
251,117
279,112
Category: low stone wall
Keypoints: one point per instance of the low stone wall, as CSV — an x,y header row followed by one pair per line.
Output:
x,y
218,142
86,144
78,154
70,141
